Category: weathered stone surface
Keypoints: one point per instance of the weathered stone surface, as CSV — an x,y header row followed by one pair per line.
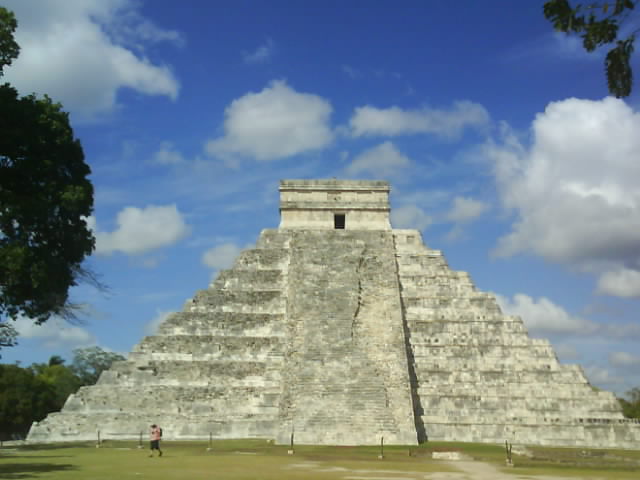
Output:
x,y
342,336
346,370
479,377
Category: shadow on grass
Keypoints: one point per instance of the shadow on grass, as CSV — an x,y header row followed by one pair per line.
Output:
x,y
54,446
31,470
38,457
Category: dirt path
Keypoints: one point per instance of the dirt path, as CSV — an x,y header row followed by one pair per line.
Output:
x,y
472,470
467,470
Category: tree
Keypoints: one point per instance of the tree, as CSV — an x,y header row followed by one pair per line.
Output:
x,y
24,398
599,24
89,363
56,360
9,49
631,404
45,198
8,335
61,378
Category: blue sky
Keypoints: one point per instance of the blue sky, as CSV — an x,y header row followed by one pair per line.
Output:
x,y
496,134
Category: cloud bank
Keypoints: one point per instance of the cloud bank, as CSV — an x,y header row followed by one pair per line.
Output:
x,y
574,190
100,42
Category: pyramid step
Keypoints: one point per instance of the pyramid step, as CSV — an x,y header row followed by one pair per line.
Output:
x,y
249,280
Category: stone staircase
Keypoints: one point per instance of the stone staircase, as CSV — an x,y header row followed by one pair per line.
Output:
x,y
347,375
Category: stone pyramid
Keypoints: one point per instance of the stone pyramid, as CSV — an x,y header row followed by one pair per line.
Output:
x,y
338,329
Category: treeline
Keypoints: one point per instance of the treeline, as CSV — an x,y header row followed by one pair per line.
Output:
x,y
28,394
631,404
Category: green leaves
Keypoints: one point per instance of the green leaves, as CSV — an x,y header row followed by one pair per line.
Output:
x,y
24,398
8,335
598,33
45,196
598,24
618,68
9,49
29,394
631,404
89,363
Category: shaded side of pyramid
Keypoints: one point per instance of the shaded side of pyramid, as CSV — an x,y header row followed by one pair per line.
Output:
x,y
477,376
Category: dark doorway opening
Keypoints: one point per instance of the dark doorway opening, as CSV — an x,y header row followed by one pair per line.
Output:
x,y
338,221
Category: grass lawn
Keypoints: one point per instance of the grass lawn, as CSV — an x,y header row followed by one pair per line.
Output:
x,y
258,459
233,459
576,462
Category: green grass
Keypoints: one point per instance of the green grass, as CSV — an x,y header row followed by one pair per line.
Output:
x,y
234,460
578,462
562,462
258,459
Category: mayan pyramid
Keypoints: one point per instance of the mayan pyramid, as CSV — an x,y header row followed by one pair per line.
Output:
x,y
338,329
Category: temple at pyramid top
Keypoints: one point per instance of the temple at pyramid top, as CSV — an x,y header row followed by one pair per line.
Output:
x,y
334,204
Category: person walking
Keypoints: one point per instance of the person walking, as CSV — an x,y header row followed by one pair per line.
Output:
x,y
156,435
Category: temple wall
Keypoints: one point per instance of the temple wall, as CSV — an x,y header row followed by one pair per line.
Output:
x,y
312,204
324,219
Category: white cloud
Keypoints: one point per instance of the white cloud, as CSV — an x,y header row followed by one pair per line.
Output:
x,y
544,316
262,54
410,216
82,52
221,256
151,327
55,333
624,359
465,209
575,189
383,160
620,283
167,155
141,230
393,121
135,30
277,122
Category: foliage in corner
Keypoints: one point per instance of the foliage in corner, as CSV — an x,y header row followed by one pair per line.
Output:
x,y
45,198
9,49
599,24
